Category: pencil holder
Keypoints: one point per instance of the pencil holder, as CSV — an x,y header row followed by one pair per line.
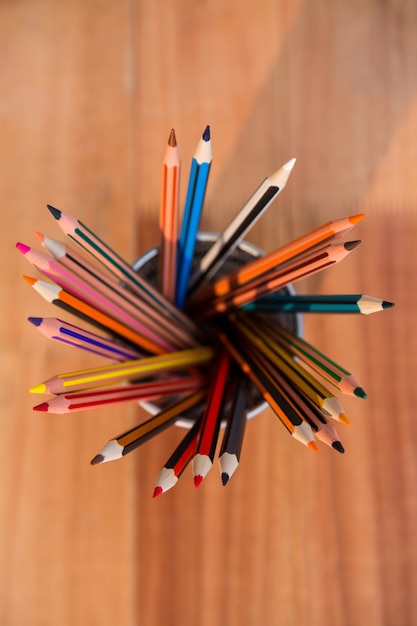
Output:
x,y
147,266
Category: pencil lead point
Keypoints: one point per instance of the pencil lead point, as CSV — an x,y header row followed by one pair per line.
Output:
x,y
22,247
349,245
43,407
172,141
337,445
225,478
38,236
41,388
29,280
343,418
55,212
206,134
198,479
354,219
289,165
360,393
99,458
36,321
313,446
387,305
157,491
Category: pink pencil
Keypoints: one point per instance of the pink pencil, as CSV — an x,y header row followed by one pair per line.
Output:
x,y
159,322
72,284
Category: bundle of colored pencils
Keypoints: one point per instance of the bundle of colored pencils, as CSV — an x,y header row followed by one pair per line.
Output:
x,y
198,343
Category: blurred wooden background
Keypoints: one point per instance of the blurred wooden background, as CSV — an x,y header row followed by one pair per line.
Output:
x,y
88,94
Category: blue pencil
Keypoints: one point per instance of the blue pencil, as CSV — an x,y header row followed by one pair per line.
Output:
x,y
197,184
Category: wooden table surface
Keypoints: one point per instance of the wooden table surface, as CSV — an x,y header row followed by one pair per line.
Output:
x,y
89,93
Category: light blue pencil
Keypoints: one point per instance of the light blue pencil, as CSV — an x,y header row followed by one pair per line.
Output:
x,y
197,184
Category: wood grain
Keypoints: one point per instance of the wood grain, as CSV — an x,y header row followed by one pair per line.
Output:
x,y
90,92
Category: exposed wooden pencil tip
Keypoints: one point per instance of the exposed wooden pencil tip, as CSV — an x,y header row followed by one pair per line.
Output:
x,y
337,445
99,458
29,280
354,219
55,212
349,245
206,134
172,141
157,492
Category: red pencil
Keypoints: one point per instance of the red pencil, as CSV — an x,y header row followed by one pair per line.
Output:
x,y
203,459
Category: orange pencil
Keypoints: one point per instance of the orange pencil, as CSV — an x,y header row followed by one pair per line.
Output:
x,y
168,220
250,271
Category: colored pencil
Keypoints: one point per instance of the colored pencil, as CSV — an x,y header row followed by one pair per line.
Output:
x,y
203,459
80,233
168,219
91,296
197,184
240,225
229,456
349,303
252,270
97,398
335,374
297,428
73,335
178,461
293,370
123,444
308,411
277,279
128,370
63,299
157,320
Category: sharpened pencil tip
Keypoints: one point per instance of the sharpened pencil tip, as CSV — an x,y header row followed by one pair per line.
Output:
x,y
360,393
172,141
55,212
43,407
354,219
289,165
206,134
343,418
29,280
38,236
99,458
22,247
387,305
349,245
157,492
225,478
36,321
337,445
313,446
198,479
41,388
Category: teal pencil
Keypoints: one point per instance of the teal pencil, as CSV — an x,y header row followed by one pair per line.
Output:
x,y
350,303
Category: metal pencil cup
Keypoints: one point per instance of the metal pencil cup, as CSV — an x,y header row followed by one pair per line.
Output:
x,y
148,267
